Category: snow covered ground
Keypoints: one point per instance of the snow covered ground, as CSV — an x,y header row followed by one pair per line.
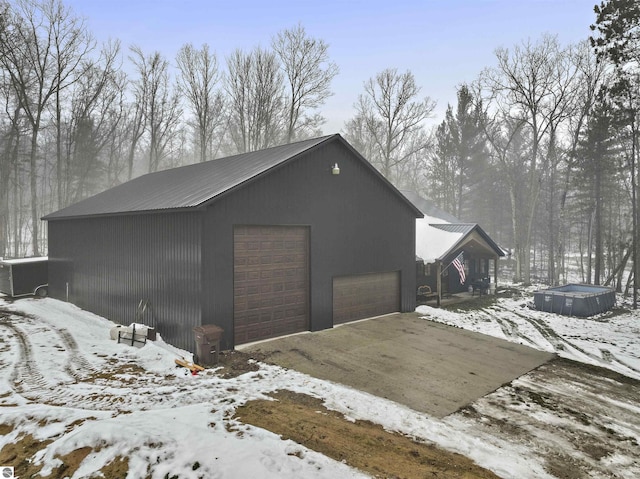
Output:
x,y
609,340
54,385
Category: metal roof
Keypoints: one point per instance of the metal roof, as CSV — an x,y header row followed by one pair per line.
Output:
x,y
187,186
195,185
463,228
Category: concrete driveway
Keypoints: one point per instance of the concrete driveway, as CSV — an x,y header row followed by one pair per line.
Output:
x,y
426,366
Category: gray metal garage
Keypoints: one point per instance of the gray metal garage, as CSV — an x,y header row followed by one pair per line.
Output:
x,y
292,238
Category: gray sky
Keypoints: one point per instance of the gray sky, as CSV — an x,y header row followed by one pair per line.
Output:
x,y
443,42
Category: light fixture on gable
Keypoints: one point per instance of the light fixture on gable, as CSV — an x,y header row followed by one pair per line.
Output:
x,y
336,169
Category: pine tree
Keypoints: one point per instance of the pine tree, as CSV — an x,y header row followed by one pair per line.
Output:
x,y
618,41
596,174
460,160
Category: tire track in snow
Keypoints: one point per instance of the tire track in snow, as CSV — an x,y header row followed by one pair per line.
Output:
x,y
609,357
561,344
552,336
27,379
557,341
509,328
77,366
96,385
25,376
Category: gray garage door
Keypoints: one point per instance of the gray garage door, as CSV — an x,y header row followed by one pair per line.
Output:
x,y
365,295
271,281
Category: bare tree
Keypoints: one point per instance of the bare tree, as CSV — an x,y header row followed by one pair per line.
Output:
x,y
116,151
308,73
534,83
12,129
41,46
135,121
159,102
198,81
590,79
255,89
96,115
393,116
510,148
359,136
72,43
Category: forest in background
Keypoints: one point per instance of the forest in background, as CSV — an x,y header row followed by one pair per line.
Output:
x,y
541,149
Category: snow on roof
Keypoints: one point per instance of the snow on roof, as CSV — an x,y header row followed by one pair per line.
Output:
x,y
433,243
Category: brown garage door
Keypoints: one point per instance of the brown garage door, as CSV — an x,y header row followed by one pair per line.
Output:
x,y
271,281
365,295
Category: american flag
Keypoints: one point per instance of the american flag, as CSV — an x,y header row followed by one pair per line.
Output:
x,y
458,264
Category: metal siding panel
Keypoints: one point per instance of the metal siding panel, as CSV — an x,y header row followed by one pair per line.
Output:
x,y
113,263
27,276
5,279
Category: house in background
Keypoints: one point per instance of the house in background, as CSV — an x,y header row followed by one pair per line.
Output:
x,y
292,238
440,239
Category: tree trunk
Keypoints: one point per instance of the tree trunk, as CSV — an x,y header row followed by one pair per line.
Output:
x,y
516,235
634,207
60,168
33,163
590,247
203,145
597,272
552,233
10,159
617,272
526,246
534,188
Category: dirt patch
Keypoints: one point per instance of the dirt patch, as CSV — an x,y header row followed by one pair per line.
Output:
x,y
234,363
484,301
70,462
119,467
125,373
360,444
19,454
